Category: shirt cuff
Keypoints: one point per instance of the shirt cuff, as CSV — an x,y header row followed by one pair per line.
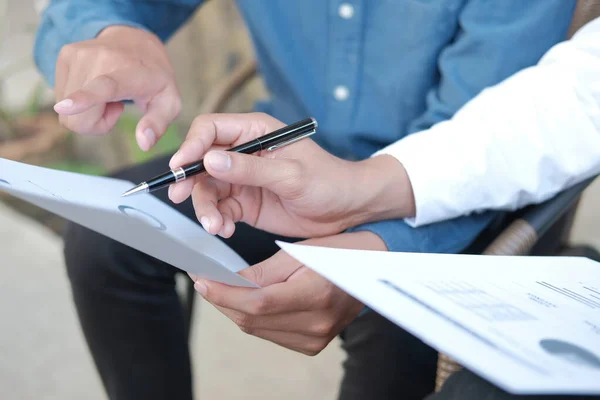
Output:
x,y
438,173
395,234
90,30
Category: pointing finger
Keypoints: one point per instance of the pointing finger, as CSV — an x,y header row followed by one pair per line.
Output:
x,y
122,84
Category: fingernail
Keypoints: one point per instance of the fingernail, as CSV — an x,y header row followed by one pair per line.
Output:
x,y
200,288
149,137
226,228
219,160
173,159
170,192
205,221
64,104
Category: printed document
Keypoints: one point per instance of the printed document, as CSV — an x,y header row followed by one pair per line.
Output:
x,y
530,325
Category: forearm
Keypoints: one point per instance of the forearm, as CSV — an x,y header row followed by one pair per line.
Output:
x,y
69,21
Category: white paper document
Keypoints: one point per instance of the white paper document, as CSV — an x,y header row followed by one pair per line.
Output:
x,y
142,222
530,325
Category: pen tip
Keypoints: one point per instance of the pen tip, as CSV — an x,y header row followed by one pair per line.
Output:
x,y
142,187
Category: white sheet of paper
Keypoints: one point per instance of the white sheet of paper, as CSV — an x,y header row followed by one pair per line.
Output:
x,y
142,222
530,325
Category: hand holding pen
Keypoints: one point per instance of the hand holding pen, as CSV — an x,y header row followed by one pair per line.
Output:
x,y
298,190
269,142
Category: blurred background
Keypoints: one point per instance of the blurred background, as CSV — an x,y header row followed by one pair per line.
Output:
x,y
43,354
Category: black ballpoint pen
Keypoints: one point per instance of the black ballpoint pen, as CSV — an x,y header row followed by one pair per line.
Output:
x,y
271,141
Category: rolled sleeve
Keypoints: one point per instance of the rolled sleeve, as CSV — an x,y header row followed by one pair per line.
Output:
x,y
450,236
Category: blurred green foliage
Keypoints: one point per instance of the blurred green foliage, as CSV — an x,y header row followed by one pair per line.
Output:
x,y
35,103
78,167
125,127
169,143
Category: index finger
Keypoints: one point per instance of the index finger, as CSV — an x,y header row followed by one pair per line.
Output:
x,y
227,130
121,84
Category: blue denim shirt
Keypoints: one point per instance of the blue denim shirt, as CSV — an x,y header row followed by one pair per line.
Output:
x,y
370,71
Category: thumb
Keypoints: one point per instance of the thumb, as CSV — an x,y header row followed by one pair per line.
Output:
x,y
273,270
281,176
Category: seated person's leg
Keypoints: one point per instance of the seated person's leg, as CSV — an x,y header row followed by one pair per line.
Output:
x,y
464,385
384,361
128,307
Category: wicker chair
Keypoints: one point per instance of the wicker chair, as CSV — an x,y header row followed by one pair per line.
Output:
x,y
536,230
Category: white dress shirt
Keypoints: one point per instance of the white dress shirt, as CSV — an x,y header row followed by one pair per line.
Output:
x,y
516,143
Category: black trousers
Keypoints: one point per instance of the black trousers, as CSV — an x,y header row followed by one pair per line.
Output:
x,y
134,325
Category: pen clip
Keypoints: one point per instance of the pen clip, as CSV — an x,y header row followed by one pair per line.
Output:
x,y
294,140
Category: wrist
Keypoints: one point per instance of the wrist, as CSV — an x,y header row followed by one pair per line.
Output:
x,y
125,35
363,240
123,32
138,41
380,190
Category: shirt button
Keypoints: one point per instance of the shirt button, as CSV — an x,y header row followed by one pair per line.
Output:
x,y
346,11
341,93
